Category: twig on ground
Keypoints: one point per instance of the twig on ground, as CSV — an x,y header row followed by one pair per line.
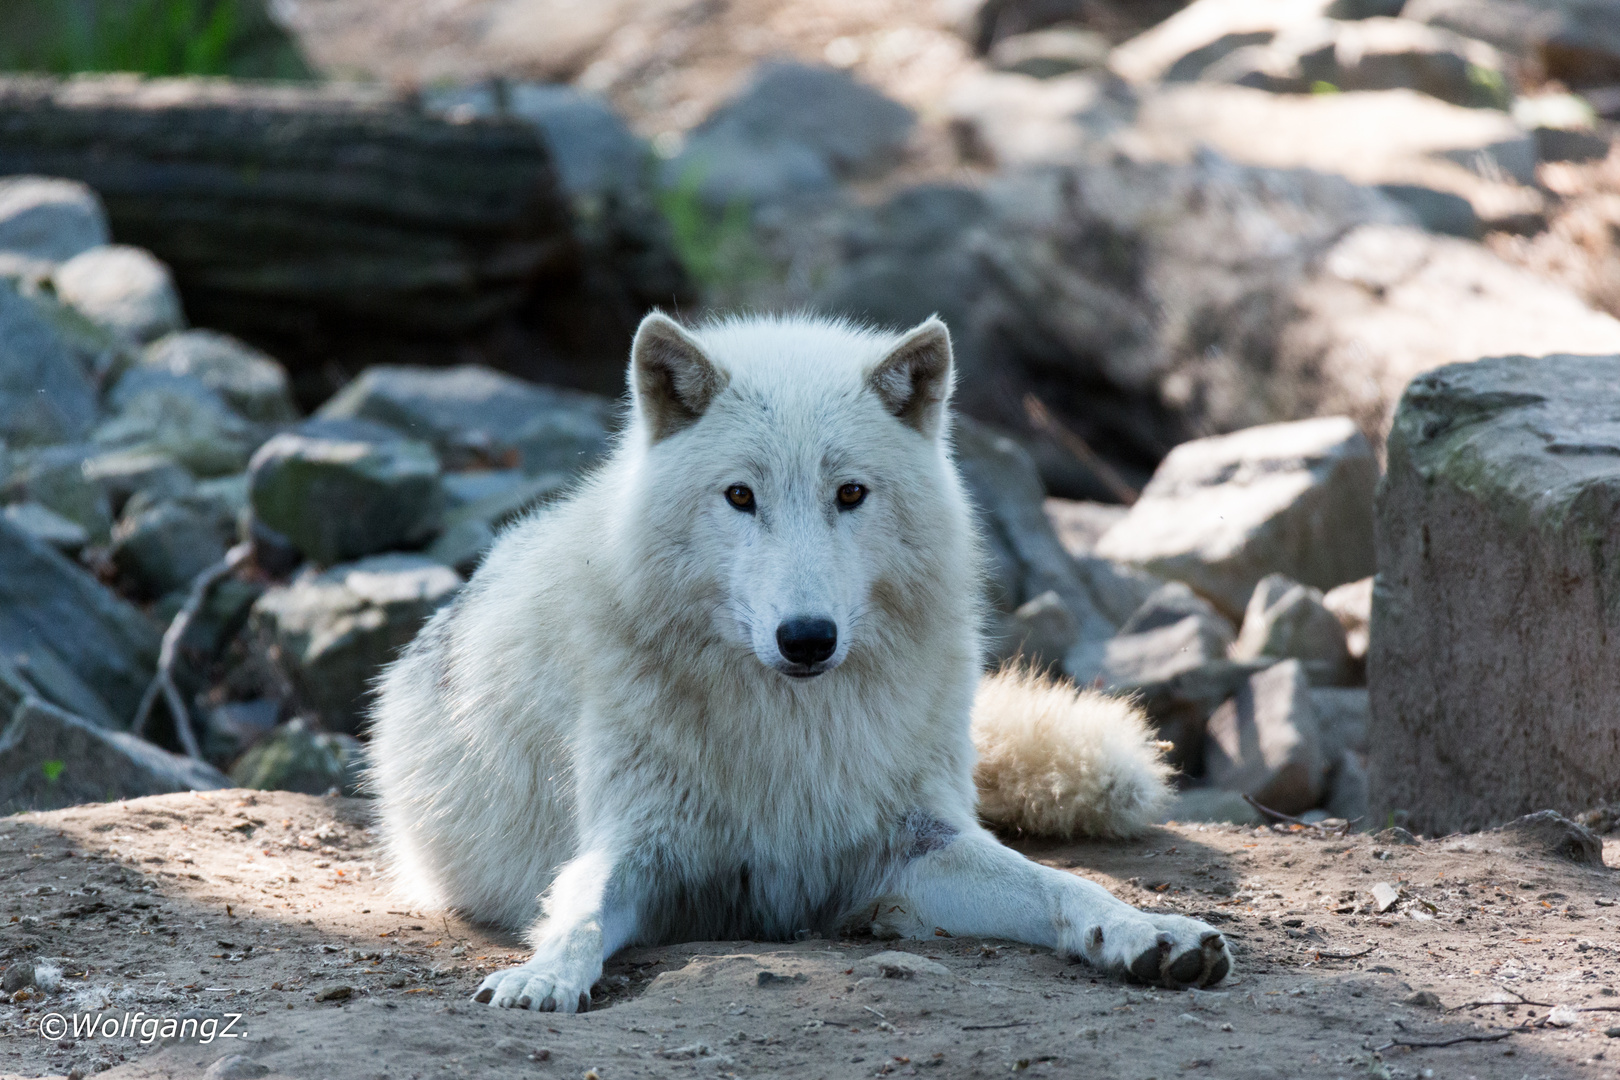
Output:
x,y
163,679
1042,420
996,1027
1344,955
1522,1000
1482,1037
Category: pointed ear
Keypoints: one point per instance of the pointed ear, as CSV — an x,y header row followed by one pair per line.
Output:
x,y
672,380
914,380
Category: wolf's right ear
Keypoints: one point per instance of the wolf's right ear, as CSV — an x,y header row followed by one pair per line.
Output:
x,y
672,380
914,380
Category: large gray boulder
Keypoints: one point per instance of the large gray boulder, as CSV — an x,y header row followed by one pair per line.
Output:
x,y
1223,512
332,633
46,396
1495,652
1265,742
50,758
163,547
124,289
82,647
250,382
472,414
48,219
54,477
1287,620
158,411
343,493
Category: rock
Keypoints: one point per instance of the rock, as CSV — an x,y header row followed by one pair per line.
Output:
x,y
1374,54
794,130
1010,120
47,526
1397,836
333,993
250,382
1265,742
1047,53
1347,787
1560,144
492,501
235,727
1385,896
339,498
296,758
54,477
47,219
19,973
1576,42
92,652
1342,716
235,1067
899,965
592,149
1288,620
1079,524
1118,589
1222,512
1550,832
1027,558
161,549
1495,653
50,758
124,289
1041,631
177,415
331,633
472,415
122,474
45,395
1170,604
1202,33
1423,999
1351,604
1213,804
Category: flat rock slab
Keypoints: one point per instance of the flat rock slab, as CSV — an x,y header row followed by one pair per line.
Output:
x,y
185,883
1495,659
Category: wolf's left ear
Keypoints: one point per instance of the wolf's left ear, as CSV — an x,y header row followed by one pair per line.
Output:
x,y
914,380
672,380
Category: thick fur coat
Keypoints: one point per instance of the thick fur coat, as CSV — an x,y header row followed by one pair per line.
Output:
x,y
727,689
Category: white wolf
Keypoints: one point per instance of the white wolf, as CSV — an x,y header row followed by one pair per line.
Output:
x,y
727,690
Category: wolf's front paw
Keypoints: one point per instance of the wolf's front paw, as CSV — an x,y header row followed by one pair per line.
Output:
x,y
1161,950
543,986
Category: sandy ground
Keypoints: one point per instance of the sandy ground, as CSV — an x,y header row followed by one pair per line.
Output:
x,y
257,905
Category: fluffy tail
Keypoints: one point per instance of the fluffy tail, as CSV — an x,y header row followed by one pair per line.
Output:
x,y
1058,761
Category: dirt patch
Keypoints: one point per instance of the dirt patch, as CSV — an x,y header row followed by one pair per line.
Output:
x,y
263,904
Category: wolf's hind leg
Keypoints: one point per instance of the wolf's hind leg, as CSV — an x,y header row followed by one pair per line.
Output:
x,y
975,886
580,930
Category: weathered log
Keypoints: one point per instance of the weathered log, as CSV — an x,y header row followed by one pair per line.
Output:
x,y
310,211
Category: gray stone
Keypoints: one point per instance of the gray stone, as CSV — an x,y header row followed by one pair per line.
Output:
x,y
1212,804
53,476
793,130
899,965
1222,512
1203,33
46,396
1495,648
1080,523
1552,833
47,526
1437,211
124,289
1342,714
1347,787
1172,602
1265,742
592,149
234,727
1119,590
1574,41
177,415
1562,144
1044,54
122,474
49,219
235,1067
332,633
162,548
1027,558
296,758
250,382
338,498
50,758
1040,632
474,415
470,529
1287,620
58,622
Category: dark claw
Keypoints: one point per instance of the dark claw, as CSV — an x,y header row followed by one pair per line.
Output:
x,y
1187,967
1218,971
525,1001
1150,963
584,1002
483,996
548,1004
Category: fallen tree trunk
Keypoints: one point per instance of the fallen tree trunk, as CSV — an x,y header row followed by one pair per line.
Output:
x,y
304,211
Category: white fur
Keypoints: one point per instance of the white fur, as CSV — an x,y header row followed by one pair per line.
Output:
x,y
601,741
1054,760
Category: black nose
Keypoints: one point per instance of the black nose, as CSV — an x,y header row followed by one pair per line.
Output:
x,y
807,641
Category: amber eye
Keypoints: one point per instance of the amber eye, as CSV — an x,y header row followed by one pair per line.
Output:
x,y
740,497
851,496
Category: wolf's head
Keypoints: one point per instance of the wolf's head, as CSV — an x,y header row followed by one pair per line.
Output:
x,y
793,480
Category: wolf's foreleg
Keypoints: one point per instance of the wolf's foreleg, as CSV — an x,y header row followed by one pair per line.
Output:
x,y
975,886
581,928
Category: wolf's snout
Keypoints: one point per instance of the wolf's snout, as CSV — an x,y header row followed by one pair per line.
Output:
x,y
806,641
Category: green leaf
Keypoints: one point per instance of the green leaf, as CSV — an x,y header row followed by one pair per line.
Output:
x,y
52,770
